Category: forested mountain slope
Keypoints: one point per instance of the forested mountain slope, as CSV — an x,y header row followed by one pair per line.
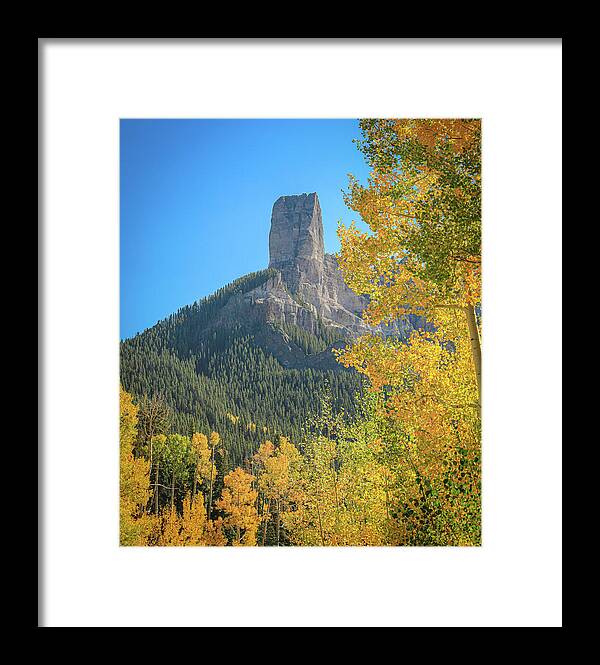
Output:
x,y
228,379
253,360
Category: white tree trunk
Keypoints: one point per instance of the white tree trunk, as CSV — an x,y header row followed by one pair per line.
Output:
x,y
475,346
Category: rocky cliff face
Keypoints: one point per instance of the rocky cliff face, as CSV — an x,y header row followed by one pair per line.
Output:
x,y
296,240
306,288
309,285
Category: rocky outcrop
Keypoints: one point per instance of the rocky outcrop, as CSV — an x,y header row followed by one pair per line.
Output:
x,y
296,239
309,285
306,289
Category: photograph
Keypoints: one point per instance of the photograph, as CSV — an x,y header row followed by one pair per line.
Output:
x,y
300,332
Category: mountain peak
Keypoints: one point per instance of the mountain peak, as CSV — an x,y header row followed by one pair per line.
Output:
x,y
309,289
296,235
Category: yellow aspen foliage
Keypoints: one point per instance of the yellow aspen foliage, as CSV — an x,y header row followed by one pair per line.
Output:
x,y
238,502
339,496
191,528
422,252
134,486
423,210
259,460
276,480
430,430
170,529
215,535
313,522
421,256
336,489
366,487
428,380
265,450
193,522
205,468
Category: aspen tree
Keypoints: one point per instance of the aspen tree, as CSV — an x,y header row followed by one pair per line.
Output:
x,y
422,253
134,478
204,467
422,257
238,502
193,522
265,451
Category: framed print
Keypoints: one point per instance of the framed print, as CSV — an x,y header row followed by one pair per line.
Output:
x,y
290,289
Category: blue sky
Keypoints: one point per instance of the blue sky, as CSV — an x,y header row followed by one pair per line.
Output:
x,y
197,195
